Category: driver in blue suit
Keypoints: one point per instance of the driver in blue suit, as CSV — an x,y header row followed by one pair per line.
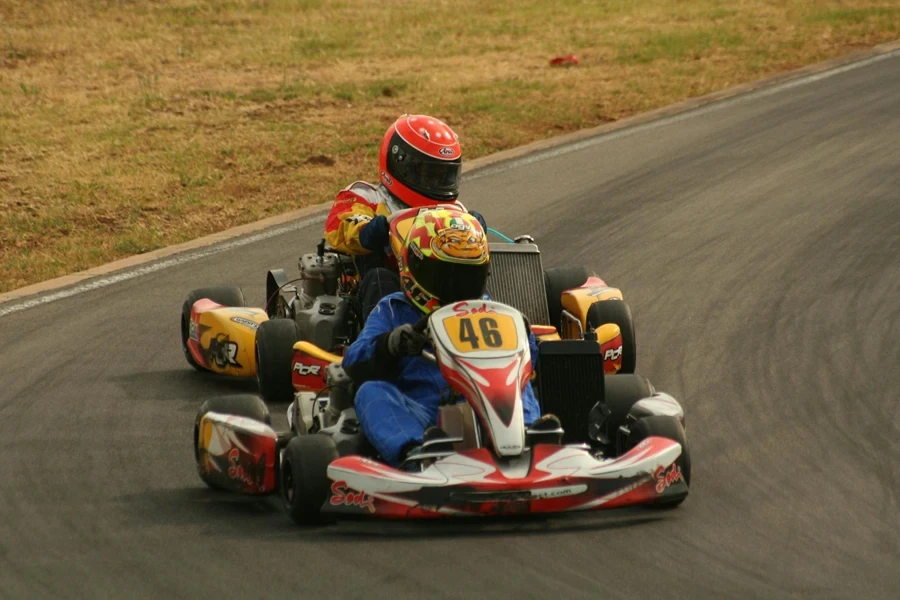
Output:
x,y
444,260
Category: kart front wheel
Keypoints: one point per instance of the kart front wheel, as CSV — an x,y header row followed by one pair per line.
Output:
x,y
620,393
670,428
304,476
241,405
275,341
556,281
616,311
226,295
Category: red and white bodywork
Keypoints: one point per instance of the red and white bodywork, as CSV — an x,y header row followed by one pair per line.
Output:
x,y
546,478
483,351
489,373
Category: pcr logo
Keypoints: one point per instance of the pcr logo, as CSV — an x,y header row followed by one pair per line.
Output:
x,y
302,369
613,353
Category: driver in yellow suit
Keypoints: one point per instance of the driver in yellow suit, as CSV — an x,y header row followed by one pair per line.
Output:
x,y
419,163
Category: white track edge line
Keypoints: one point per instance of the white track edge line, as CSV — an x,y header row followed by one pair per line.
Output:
x,y
93,284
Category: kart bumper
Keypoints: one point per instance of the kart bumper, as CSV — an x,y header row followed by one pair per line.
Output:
x,y
548,479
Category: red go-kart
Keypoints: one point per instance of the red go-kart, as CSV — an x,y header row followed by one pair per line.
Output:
x,y
622,443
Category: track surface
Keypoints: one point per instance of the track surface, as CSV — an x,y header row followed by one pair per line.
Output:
x,y
759,247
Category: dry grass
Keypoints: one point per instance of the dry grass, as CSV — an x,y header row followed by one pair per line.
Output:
x,y
126,126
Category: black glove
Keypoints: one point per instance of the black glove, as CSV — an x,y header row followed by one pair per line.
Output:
x,y
406,341
375,234
480,219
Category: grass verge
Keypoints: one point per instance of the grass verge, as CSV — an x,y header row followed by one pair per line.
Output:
x,y
129,126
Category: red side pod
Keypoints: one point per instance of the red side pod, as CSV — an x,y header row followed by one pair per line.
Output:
x,y
253,471
200,306
308,372
612,355
237,453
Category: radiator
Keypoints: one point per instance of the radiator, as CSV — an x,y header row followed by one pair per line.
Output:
x,y
570,383
517,279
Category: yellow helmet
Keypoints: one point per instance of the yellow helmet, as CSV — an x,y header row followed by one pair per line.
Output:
x,y
444,258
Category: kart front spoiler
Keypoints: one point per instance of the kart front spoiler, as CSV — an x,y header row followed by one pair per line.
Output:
x,y
547,479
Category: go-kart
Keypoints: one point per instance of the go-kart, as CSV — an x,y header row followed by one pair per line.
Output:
x,y
288,343
622,443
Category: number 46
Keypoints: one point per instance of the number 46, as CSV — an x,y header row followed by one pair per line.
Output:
x,y
490,335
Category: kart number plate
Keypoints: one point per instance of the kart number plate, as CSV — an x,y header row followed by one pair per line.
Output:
x,y
480,332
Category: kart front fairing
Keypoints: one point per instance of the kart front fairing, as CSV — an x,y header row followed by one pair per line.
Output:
x,y
547,478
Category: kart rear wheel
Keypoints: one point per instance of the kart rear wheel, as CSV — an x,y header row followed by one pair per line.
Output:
x,y
618,312
670,428
275,341
242,405
226,295
558,280
304,477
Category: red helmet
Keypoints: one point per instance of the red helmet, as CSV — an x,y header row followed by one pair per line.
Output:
x,y
420,161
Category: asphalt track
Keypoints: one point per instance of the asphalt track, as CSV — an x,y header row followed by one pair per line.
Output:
x,y
758,243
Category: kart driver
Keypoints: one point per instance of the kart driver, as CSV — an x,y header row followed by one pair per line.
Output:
x,y
445,259
419,164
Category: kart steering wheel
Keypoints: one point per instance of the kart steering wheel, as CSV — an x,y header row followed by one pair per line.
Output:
x,y
421,326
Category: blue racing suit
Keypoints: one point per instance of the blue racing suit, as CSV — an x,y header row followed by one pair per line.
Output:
x,y
398,398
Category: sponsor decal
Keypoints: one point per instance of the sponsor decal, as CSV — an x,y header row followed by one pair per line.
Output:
x,y
246,322
303,369
223,351
445,151
462,309
598,291
386,179
359,218
558,492
665,478
192,332
415,250
248,475
340,495
612,353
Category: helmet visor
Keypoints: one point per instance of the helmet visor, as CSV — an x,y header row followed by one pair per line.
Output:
x,y
449,282
431,177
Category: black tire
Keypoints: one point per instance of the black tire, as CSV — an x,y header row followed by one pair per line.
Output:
x,y
275,341
226,295
304,477
670,428
558,280
620,393
618,312
242,405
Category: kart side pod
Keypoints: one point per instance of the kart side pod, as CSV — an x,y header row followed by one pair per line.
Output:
x,y
235,453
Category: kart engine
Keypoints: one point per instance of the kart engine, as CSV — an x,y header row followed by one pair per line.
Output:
x,y
320,274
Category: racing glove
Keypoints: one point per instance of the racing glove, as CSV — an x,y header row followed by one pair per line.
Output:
x,y
405,341
374,235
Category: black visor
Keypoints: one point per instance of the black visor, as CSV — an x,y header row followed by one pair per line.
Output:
x,y
449,282
431,177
